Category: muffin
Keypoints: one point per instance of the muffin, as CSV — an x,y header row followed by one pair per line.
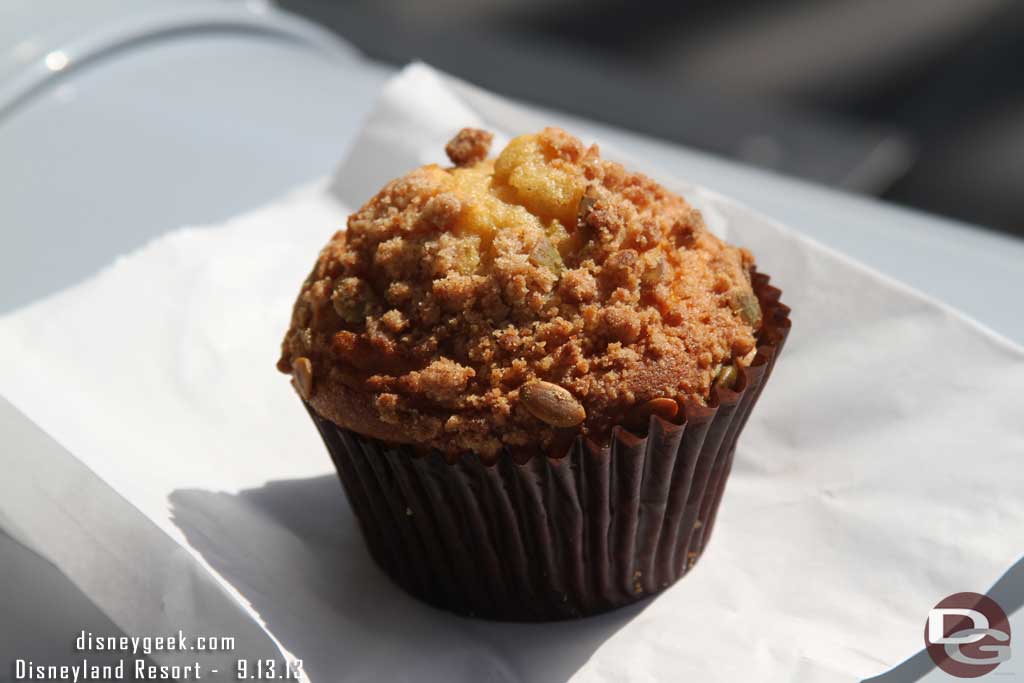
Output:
x,y
530,372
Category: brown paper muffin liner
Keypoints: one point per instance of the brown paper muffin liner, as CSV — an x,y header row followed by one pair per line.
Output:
x,y
554,538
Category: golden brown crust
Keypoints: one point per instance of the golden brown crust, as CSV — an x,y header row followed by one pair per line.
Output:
x,y
452,289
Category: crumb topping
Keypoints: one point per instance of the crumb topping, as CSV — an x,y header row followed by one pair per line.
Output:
x,y
516,302
469,146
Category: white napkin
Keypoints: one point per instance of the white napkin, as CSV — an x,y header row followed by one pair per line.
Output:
x,y
877,475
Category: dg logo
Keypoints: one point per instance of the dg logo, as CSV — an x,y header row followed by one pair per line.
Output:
x,y
967,635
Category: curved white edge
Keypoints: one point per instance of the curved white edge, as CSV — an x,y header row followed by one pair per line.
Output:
x,y
257,18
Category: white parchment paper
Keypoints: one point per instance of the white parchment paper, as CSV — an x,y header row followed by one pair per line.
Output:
x,y
879,473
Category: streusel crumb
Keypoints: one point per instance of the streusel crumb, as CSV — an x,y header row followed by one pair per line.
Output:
x,y
462,302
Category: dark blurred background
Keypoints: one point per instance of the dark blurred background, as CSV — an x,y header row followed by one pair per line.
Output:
x,y
920,102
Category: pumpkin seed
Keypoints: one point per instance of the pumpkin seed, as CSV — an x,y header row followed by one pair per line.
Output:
x,y
746,305
302,371
545,255
727,377
664,407
552,404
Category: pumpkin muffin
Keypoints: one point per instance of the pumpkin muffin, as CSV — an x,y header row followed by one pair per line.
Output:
x,y
499,302
519,305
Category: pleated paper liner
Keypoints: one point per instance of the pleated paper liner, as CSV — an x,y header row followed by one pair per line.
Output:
x,y
551,538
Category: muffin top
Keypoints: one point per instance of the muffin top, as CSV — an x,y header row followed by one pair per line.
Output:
x,y
519,301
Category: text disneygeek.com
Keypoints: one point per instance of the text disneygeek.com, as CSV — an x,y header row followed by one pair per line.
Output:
x,y
135,665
